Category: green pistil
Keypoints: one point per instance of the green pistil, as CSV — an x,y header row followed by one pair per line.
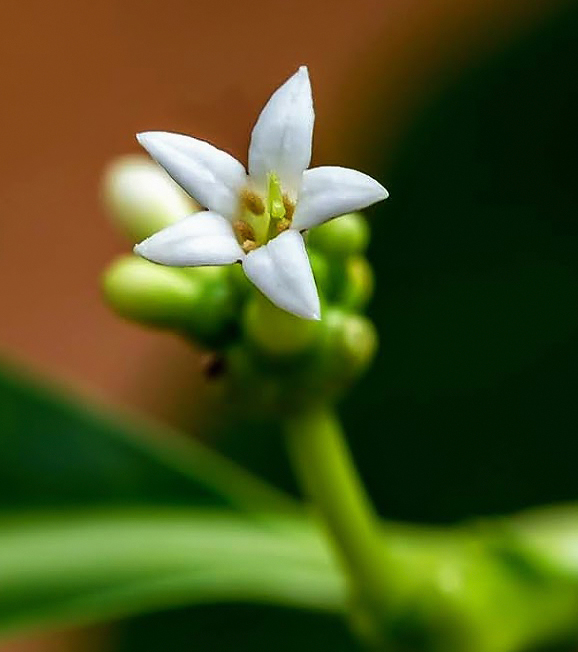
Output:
x,y
275,203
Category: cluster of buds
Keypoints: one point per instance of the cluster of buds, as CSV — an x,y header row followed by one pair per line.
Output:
x,y
270,359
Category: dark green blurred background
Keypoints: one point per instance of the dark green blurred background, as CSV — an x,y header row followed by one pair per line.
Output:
x,y
471,407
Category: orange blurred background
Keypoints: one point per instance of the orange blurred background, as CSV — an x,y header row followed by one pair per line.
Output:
x,y
80,79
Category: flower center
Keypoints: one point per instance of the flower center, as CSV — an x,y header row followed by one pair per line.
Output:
x,y
261,219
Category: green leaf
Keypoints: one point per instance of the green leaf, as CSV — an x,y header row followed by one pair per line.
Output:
x,y
136,549
79,568
55,452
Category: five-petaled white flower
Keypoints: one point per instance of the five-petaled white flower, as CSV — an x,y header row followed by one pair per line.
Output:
x,y
258,218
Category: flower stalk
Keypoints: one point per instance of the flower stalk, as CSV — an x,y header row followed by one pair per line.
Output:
x,y
323,464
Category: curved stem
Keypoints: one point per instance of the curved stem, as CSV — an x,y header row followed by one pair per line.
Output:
x,y
322,461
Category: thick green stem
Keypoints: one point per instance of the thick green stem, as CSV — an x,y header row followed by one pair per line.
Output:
x,y
323,463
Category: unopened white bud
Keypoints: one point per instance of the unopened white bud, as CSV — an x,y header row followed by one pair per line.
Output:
x,y
141,198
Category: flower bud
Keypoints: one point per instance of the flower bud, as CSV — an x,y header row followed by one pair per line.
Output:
x,y
347,345
141,198
238,279
342,236
321,271
211,317
358,284
275,331
148,293
192,301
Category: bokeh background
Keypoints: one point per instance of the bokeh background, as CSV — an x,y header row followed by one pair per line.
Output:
x,y
466,111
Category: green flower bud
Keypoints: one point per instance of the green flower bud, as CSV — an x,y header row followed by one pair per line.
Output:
x,y
194,301
358,285
211,318
342,236
141,198
275,331
208,274
321,271
347,345
239,281
148,293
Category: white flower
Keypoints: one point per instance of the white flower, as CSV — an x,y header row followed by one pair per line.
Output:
x,y
257,218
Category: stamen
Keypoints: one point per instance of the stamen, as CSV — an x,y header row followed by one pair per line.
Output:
x,y
252,202
243,231
249,245
283,225
289,207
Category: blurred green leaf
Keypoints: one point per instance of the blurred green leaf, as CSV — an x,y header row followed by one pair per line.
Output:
x,y
61,567
78,568
55,452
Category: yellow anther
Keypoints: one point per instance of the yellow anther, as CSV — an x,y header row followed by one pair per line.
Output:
x,y
243,231
283,225
289,207
249,245
252,202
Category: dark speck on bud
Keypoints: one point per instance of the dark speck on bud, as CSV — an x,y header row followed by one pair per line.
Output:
x,y
213,366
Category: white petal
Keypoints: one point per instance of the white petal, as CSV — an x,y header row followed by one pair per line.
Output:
x,y
281,138
330,191
211,176
204,238
281,270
